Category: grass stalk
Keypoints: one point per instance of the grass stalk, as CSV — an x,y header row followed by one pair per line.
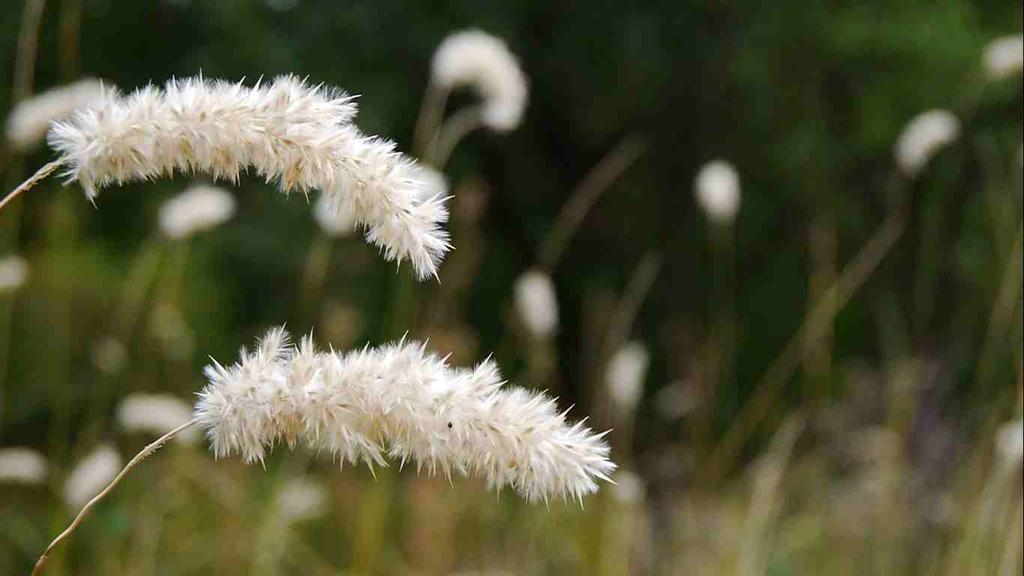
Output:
x,y
782,369
87,509
587,193
36,178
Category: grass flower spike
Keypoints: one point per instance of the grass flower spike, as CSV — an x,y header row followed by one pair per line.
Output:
x,y
718,191
402,402
625,375
1004,57
923,137
536,303
287,131
90,475
155,414
13,273
196,209
333,222
483,62
22,466
29,121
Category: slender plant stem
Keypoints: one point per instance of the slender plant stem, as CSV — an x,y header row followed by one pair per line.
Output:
x,y
68,44
318,261
618,331
28,47
587,192
765,500
721,349
144,268
145,453
452,132
639,286
430,116
1002,316
768,389
822,255
36,178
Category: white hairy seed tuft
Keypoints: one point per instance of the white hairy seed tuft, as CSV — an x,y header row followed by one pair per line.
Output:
x,y
537,304
717,187
625,375
286,131
402,402
22,466
197,209
923,137
1004,57
13,273
484,63
1010,443
91,475
30,119
155,414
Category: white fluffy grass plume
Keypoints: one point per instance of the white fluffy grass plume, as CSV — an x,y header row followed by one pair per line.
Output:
x,y
287,131
155,414
301,499
198,208
536,303
923,137
22,466
402,402
483,62
624,376
13,273
1004,57
91,475
30,119
717,187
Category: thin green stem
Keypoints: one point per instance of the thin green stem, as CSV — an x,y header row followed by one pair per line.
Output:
x,y
87,509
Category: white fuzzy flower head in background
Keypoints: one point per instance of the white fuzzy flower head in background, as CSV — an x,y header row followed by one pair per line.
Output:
x,y
402,402
109,355
91,475
923,137
197,209
537,304
476,59
13,273
301,499
1004,57
300,136
629,487
22,466
29,121
1010,443
155,414
433,184
624,377
333,220
717,188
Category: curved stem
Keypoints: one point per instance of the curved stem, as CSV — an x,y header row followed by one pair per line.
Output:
x,y
153,447
70,24
817,321
430,116
587,192
28,46
452,132
27,185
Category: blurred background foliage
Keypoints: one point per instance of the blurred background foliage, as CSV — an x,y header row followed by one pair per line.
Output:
x,y
906,387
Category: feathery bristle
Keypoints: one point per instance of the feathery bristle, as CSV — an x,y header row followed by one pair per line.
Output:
x,y
403,402
287,131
